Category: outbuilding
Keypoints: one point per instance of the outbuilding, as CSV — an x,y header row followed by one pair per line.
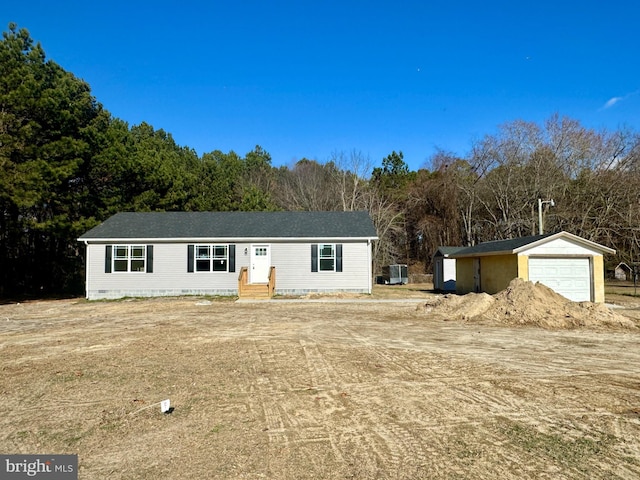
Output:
x,y
623,272
444,269
566,263
135,254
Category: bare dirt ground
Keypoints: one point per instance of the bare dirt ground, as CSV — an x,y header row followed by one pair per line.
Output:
x,y
329,388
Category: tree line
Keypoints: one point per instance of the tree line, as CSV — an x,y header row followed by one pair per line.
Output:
x,y
67,164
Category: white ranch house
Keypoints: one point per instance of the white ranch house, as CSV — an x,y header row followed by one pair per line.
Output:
x,y
229,253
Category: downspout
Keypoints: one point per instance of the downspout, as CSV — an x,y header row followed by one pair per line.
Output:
x,y
86,269
369,266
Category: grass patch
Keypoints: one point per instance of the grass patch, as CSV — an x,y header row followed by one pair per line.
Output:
x,y
215,429
571,452
211,298
628,294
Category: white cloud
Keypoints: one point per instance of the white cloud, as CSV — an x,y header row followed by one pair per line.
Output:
x,y
611,102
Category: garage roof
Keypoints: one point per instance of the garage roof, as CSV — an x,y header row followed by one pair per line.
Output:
x,y
518,245
444,251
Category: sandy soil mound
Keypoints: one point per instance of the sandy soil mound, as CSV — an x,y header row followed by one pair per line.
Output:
x,y
528,303
460,307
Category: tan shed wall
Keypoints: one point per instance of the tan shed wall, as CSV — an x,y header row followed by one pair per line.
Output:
x,y
464,275
497,271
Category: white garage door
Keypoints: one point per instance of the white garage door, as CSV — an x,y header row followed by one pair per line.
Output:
x,y
570,277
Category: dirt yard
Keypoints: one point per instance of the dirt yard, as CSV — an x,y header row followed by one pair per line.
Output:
x,y
398,385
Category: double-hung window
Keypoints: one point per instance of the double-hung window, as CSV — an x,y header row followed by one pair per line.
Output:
x,y
211,258
326,257
129,258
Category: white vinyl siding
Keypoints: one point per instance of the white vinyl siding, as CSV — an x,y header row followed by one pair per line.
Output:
x,y
293,273
561,246
170,276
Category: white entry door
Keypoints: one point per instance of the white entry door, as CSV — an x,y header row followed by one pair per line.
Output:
x,y
260,263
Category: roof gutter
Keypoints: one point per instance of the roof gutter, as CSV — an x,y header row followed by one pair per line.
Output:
x,y
222,239
481,254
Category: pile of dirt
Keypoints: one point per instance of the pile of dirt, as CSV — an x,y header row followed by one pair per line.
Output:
x,y
460,307
528,303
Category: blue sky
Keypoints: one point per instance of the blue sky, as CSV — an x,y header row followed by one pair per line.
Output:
x,y
309,79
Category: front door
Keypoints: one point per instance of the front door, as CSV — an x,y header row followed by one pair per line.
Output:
x,y
260,263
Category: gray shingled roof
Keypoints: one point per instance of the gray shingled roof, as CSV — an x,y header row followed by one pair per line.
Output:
x,y
445,251
499,246
170,225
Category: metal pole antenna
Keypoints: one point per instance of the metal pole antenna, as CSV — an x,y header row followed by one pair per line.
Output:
x,y
540,227
540,203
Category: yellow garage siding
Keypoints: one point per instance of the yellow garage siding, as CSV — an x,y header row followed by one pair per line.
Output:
x,y
523,267
464,275
598,279
497,271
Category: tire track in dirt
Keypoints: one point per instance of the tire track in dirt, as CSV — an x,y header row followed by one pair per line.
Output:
x,y
385,354
322,375
403,445
325,379
387,436
282,393
412,435
491,391
268,387
392,442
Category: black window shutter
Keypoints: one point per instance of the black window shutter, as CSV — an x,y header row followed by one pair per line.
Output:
x,y
149,258
107,258
232,258
190,254
314,258
338,257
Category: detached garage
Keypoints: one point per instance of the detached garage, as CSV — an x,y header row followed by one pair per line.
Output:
x,y
566,263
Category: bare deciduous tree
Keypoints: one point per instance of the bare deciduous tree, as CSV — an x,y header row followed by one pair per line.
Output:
x,y
351,174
